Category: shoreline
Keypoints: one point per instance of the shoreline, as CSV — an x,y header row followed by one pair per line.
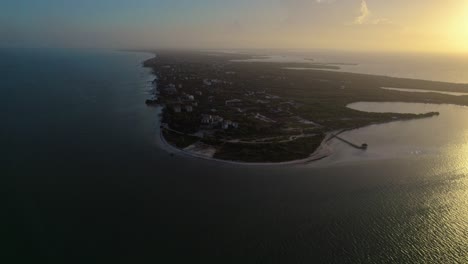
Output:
x,y
322,152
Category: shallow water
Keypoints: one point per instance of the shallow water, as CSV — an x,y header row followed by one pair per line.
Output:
x,y
278,59
448,68
423,91
444,136
83,181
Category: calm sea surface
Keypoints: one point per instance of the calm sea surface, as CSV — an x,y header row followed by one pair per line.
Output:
x,y
83,181
440,67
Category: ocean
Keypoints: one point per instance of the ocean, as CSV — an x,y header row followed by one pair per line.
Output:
x,y
83,181
435,67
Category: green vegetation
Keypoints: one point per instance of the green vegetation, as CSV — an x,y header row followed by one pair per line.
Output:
x,y
274,152
179,140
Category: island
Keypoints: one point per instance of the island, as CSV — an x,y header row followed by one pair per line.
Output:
x,y
225,106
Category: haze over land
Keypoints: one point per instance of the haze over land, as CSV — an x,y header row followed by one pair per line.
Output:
x,y
370,25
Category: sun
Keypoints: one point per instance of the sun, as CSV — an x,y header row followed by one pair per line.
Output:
x,y
453,32
462,28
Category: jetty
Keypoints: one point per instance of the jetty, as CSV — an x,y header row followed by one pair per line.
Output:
x,y
364,146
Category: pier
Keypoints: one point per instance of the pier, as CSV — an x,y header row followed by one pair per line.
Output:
x,y
364,146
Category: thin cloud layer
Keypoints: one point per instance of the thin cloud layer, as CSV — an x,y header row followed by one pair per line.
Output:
x,y
340,24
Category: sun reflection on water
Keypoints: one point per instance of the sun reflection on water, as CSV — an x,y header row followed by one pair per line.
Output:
x,y
436,194
452,199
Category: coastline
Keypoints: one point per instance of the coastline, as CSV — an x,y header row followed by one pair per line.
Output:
x,y
322,152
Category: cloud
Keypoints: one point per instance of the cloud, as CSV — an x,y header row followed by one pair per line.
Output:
x,y
382,21
365,13
366,17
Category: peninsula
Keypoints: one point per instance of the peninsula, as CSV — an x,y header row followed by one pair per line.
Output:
x,y
229,107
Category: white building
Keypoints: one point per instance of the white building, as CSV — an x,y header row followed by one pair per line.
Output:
x,y
229,124
170,89
206,119
226,124
233,102
211,120
177,108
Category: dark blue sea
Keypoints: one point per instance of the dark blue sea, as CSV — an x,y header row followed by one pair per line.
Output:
x,y
82,180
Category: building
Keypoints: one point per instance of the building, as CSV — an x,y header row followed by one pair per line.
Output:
x,y
209,82
177,108
233,102
229,124
262,101
170,89
206,119
269,96
211,120
226,124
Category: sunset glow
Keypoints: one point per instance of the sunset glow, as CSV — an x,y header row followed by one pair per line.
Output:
x,y
370,25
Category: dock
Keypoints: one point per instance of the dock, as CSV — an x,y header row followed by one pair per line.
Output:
x,y
364,146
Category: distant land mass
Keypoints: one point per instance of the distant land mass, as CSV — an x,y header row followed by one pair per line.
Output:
x,y
231,107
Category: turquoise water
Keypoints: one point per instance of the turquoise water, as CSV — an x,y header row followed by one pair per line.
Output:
x,y
83,181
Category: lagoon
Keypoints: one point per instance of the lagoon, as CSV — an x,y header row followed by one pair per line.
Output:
x,y
424,91
443,137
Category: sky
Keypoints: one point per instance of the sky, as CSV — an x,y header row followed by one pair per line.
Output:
x,y
361,25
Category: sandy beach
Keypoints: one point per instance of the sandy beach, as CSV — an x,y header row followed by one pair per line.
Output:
x,y
322,152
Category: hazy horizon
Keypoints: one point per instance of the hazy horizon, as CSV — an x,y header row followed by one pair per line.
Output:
x,y
354,25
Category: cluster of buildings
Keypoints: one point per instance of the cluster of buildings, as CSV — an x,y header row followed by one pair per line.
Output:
x,y
209,82
178,108
170,89
233,102
182,102
214,121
